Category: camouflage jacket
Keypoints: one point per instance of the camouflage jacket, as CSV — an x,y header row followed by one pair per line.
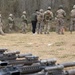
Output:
x,y
24,18
60,13
72,13
10,20
40,17
48,15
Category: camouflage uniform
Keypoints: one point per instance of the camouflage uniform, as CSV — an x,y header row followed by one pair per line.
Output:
x,y
1,24
40,23
24,22
72,25
11,22
60,14
48,15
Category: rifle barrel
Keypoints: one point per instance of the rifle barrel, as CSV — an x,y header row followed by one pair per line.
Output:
x,y
70,72
68,64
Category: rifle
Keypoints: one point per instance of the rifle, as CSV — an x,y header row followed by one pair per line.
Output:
x,y
8,55
19,69
28,60
55,70
32,60
48,69
39,67
68,64
24,55
36,70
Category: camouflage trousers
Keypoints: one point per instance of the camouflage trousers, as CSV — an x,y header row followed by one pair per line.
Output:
x,y
60,26
24,27
40,27
47,27
72,25
1,30
10,27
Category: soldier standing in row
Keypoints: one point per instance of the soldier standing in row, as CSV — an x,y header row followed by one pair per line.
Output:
x,y
48,15
60,14
40,23
24,21
11,22
1,24
72,26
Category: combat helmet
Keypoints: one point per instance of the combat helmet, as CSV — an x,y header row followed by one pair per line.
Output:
x,y
41,10
60,6
24,12
49,8
10,15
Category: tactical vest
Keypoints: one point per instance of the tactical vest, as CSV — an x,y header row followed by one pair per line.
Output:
x,y
73,13
61,13
40,17
24,18
47,16
10,20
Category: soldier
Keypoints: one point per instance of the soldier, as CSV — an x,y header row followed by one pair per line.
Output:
x,y
40,23
60,14
11,22
1,24
48,15
72,26
24,21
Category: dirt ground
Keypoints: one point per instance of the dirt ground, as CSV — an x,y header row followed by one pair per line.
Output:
x,y
61,47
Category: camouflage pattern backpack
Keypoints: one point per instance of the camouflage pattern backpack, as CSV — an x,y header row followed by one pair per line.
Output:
x,y
40,17
47,15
